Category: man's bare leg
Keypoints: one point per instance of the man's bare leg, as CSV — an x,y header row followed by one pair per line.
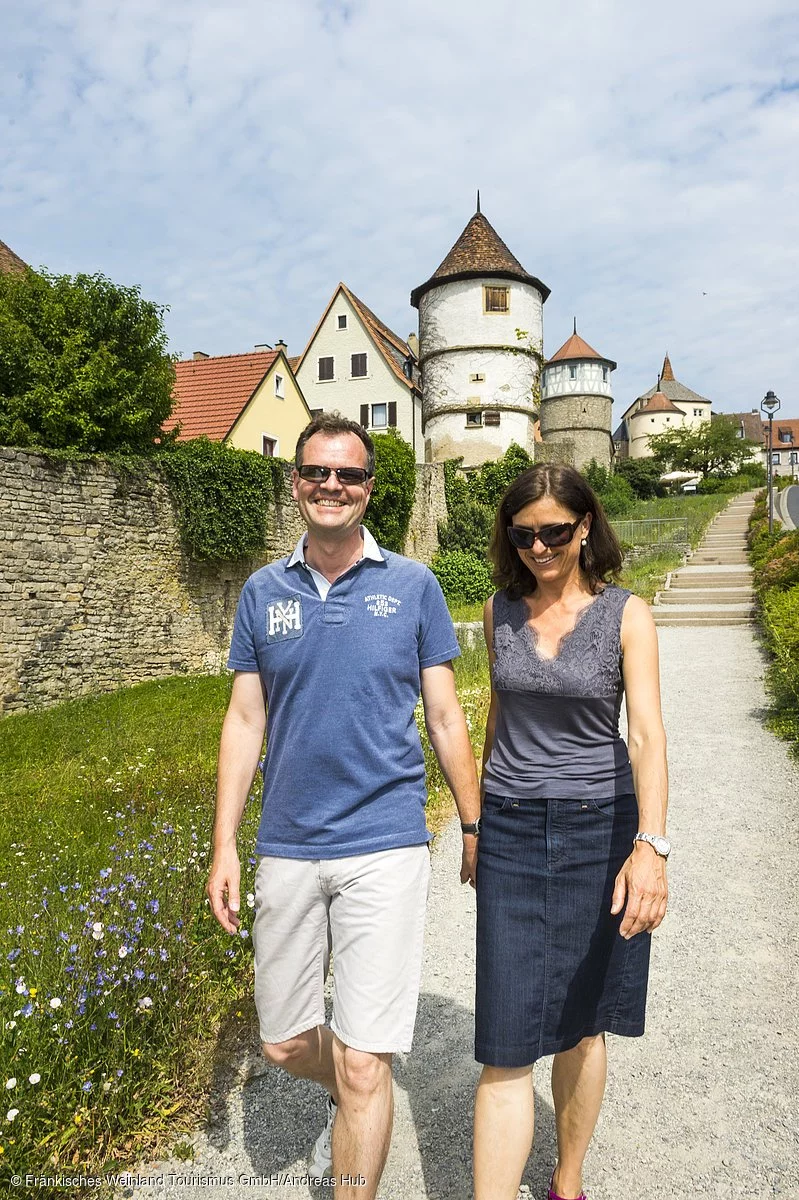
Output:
x,y
309,1055
362,1130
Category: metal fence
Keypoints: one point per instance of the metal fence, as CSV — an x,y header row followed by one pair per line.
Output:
x,y
655,531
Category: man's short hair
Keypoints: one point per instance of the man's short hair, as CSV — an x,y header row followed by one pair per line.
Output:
x,y
331,423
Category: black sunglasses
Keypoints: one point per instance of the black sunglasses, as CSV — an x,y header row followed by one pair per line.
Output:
x,y
548,535
343,474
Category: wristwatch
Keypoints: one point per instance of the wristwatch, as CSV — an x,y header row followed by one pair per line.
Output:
x,y
472,826
661,845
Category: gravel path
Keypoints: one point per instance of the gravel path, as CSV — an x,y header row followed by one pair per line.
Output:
x,y
706,1103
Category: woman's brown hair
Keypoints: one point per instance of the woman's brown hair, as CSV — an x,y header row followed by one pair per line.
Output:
x,y
600,558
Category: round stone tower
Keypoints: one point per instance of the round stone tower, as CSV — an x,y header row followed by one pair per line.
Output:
x,y
479,378
576,401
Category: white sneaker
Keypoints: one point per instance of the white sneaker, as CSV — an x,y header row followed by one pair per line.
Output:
x,y
320,1160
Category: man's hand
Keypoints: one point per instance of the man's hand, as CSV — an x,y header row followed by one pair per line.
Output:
x,y
469,859
223,888
642,884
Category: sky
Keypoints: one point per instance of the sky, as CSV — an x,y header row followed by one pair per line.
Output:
x,y
237,160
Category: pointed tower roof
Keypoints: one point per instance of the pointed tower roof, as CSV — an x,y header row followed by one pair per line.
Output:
x,y
667,372
10,263
658,402
479,251
577,347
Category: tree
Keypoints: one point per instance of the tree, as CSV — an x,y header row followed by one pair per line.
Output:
x,y
614,492
389,511
83,364
712,446
643,476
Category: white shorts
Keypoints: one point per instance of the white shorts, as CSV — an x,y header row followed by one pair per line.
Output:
x,y
370,910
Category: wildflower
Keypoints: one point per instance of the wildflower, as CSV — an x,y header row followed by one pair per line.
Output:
x,y
11,1084
12,1112
34,1078
86,1087
13,955
55,1002
112,1016
21,990
105,872
106,1087
145,1002
244,933
27,1010
123,952
250,900
11,1025
32,992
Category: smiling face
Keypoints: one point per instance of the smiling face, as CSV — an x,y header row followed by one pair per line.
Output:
x,y
555,564
331,509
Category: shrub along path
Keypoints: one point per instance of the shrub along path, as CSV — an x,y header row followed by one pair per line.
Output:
x,y
704,1104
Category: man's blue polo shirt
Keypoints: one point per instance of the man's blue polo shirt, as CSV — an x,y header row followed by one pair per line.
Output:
x,y
344,768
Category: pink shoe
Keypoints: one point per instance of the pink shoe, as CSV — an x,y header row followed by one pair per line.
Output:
x,y
554,1195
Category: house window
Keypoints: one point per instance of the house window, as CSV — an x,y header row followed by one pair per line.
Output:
x,y
342,320
268,446
474,419
358,366
379,416
785,435
572,372
325,369
775,458
794,458
279,391
496,299
697,412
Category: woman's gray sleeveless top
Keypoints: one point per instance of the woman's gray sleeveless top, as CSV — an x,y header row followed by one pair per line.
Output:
x,y
557,729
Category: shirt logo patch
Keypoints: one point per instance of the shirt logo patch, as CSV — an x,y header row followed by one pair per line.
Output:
x,y
381,605
284,619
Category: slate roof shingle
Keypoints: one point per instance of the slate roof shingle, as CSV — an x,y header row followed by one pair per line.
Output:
x,y
479,251
211,393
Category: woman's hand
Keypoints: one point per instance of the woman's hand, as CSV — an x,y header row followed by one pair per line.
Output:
x,y
642,884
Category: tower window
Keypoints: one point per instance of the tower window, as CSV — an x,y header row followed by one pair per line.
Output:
x,y
325,369
496,299
572,372
491,418
604,374
474,419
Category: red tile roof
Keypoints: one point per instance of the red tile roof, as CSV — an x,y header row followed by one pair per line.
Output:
x,y
211,393
9,261
576,347
659,402
478,251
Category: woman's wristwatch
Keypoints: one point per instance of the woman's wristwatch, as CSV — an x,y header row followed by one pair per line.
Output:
x,y
472,826
661,845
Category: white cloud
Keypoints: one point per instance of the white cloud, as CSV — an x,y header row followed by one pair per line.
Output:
x,y
238,161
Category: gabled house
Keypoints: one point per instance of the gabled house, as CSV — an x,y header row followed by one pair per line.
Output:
x,y
355,365
669,405
251,401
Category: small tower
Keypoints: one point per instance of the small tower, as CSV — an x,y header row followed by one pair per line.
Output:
x,y
479,380
576,401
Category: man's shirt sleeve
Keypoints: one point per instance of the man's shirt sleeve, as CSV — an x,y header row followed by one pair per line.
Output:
x,y
242,655
437,640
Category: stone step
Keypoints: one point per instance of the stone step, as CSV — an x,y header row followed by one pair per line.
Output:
x,y
680,582
718,569
707,610
695,621
680,596
708,558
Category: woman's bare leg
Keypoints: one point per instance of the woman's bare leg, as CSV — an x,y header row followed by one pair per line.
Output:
x,y
503,1131
578,1085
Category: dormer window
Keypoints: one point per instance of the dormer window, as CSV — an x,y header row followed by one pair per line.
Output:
x,y
496,299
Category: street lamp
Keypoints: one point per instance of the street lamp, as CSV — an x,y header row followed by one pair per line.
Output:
x,y
769,404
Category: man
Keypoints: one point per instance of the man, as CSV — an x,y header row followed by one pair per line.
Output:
x,y
338,640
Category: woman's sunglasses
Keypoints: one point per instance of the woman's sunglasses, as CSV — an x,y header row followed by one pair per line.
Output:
x,y
548,535
343,474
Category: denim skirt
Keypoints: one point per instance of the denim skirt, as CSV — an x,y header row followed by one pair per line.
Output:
x,y
552,967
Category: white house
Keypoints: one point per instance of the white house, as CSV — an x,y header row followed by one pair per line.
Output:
x,y
354,364
670,405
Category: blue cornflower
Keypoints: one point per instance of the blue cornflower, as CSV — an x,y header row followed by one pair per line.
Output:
x,y
13,955
112,1016
153,906
86,1087
27,1009
105,872
138,973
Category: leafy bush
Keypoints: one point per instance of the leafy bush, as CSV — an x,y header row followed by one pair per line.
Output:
x,y
781,619
743,481
389,511
465,578
222,497
83,364
494,478
472,501
780,567
643,476
468,527
614,491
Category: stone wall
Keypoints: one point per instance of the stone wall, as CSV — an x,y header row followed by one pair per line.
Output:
x,y
96,591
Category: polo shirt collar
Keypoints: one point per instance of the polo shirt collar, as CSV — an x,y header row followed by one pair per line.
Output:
x,y
370,549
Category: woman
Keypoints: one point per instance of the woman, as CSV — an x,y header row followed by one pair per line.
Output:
x,y
566,898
